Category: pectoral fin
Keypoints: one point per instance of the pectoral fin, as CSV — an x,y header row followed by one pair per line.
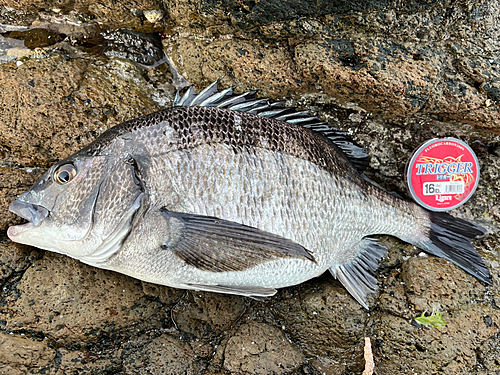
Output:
x,y
216,245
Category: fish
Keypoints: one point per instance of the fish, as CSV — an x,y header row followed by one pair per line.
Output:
x,y
231,193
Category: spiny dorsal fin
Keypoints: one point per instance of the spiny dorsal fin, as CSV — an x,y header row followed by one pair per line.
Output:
x,y
248,102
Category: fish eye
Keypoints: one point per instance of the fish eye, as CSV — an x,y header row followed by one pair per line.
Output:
x,y
64,174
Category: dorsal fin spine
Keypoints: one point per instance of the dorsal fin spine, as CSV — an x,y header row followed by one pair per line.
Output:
x,y
247,102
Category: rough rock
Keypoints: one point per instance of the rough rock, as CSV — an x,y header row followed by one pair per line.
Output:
x,y
462,302
257,348
207,315
14,183
167,296
435,284
398,61
139,15
71,307
404,349
488,355
20,355
14,259
323,320
163,355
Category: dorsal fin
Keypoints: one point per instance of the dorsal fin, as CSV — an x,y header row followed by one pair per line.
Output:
x,y
248,102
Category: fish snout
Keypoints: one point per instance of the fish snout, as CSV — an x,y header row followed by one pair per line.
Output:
x,y
31,212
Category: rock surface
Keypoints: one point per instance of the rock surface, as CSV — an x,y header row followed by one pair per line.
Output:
x,y
258,348
390,75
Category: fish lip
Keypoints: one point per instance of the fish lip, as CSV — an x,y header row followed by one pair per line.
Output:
x,y
15,231
34,213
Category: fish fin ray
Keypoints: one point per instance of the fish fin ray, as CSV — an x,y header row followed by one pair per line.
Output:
x,y
216,245
207,92
358,277
247,102
450,238
186,99
247,291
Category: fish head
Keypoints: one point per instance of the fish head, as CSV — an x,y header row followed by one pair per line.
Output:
x,y
78,204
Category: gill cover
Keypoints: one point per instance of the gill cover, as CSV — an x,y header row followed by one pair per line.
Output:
x,y
120,203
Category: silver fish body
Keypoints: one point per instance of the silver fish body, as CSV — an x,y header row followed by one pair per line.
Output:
x,y
211,198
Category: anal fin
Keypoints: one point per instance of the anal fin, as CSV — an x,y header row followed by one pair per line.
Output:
x,y
247,291
358,277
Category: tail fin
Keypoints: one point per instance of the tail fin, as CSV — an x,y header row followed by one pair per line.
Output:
x,y
450,238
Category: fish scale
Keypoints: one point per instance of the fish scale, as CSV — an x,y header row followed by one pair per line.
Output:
x,y
314,230
231,194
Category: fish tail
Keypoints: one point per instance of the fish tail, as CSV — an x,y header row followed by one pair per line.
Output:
x,y
451,238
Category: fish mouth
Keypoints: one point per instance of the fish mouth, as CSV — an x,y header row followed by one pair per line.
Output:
x,y
34,213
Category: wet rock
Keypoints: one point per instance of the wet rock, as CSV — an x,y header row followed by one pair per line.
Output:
x,y
168,296
400,59
78,304
488,356
86,361
41,97
21,354
391,75
322,319
12,49
393,298
402,348
145,49
36,38
49,94
397,61
137,15
13,258
246,63
163,355
207,315
130,15
327,366
257,348
434,284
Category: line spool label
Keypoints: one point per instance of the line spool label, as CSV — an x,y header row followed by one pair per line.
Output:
x,y
443,174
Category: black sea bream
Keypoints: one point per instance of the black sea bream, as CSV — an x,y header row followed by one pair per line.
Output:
x,y
228,193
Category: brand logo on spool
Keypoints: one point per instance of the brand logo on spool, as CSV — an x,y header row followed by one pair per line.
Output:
x,y
443,174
